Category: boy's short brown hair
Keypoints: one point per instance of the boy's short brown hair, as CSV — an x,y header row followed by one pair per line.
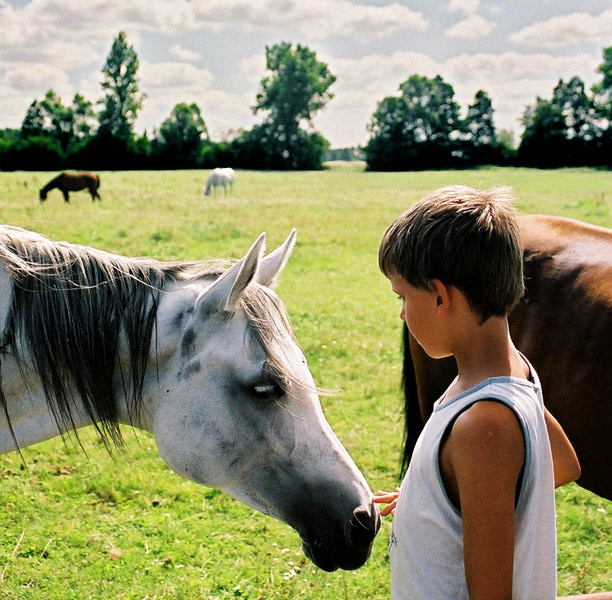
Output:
x,y
464,237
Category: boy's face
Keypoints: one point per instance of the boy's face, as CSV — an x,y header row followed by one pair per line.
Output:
x,y
420,313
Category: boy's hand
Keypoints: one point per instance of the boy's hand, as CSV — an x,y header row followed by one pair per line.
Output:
x,y
389,498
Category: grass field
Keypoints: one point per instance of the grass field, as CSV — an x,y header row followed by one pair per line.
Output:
x,y
86,527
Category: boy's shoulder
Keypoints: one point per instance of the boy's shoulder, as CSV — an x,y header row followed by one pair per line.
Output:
x,y
487,420
485,448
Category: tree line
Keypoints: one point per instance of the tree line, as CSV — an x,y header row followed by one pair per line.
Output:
x,y
419,128
54,136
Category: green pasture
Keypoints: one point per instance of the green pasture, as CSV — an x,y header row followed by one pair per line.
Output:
x,y
81,526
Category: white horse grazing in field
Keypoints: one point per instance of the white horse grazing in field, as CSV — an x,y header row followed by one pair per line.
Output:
x,y
203,358
220,178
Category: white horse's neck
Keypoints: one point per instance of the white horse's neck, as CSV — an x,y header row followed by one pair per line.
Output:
x,y
31,419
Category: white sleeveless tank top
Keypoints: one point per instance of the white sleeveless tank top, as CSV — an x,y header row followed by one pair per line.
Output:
x,y
426,547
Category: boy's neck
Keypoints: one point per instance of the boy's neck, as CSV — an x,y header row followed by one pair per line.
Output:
x,y
486,351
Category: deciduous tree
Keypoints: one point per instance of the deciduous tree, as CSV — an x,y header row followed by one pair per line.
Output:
x,y
181,136
577,109
59,118
122,99
479,121
543,140
83,116
296,89
432,113
603,89
33,123
416,129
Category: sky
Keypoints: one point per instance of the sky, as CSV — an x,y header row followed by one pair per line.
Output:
x,y
212,52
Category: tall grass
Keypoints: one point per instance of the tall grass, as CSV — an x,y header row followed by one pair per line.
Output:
x,y
78,526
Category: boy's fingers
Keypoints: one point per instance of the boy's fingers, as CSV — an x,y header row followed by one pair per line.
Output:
x,y
381,494
384,499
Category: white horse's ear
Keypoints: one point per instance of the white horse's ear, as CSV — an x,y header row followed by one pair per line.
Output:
x,y
275,262
225,293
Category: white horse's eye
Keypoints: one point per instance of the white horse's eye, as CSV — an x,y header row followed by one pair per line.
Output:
x,y
267,391
261,390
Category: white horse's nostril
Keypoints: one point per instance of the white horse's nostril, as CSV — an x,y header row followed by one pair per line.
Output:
x,y
364,526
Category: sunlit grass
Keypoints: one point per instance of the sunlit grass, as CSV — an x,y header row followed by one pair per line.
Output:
x,y
85,527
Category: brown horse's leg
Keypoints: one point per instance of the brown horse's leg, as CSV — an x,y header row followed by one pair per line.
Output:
x,y
65,192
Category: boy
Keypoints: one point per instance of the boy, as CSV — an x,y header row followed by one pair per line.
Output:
x,y
475,516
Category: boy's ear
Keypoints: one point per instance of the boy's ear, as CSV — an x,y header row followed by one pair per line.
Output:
x,y
443,296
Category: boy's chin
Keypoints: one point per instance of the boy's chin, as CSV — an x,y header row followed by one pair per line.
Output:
x,y
436,354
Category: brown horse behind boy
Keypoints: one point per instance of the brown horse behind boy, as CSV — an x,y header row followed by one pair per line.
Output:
x,y
563,325
73,182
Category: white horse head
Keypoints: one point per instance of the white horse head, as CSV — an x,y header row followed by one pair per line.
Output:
x,y
223,385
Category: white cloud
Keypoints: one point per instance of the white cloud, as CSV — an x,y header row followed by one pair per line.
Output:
x,y
45,42
566,30
22,77
65,54
253,68
222,111
379,73
167,84
314,18
346,117
183,53
17,83
179,77
471,28
90,86
226,112
42,23
468,7
517,65
513,80
55,37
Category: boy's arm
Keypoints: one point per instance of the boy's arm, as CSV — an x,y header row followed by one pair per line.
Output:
x,y
481,462
565,462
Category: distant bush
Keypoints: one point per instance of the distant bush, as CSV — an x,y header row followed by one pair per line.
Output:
x,y
36,153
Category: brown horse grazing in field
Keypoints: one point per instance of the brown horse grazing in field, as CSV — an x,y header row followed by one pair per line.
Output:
x,y
563,325
73,182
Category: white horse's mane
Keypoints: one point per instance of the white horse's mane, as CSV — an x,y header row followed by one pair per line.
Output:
x,y
68,299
